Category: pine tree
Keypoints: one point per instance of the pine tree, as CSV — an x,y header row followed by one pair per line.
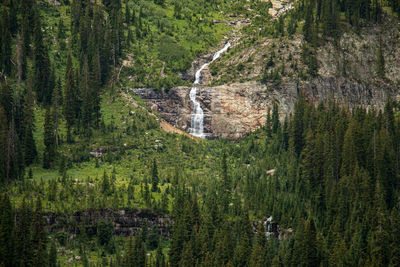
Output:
x,y
41,66
95,87
258,254
85,261
349,153
104,232
6,100
395,237
105,185
39,237
49,140
86,97
154,177
7,239
105,57
380,242
29,144
53,255
297,135
178,234
330,19
268,124
223,247
139,251
380,62
308,244
376,11
21,61
61,36
26,33
69,97
56,114
3,145
275,118
24,247
127,15
160,259
187,256
5,57
226,184
13,153
129,260
308,27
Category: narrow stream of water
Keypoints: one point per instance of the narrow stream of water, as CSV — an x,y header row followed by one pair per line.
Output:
x,y
197,121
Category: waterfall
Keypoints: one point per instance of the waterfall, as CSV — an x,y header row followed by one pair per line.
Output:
x,y
197,120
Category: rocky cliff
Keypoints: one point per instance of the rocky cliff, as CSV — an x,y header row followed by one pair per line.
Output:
x,y
126,222
231,111
239,93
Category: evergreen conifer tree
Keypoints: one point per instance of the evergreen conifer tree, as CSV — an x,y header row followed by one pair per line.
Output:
x,y
39,237
41,66
49,140
69,97
7,232
154,177
380,62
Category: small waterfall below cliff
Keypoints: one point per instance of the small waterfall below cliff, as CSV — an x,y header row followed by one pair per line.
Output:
x,y
197,120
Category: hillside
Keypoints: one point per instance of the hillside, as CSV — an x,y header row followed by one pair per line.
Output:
x,y
100,165
272,62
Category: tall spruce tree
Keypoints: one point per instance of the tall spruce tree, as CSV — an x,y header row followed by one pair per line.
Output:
x,y
49,140
3,145
24,246
380,62
41,66
95,87
39,237
69,97
275,118
5,43
7,232
56,112
86,97
29,144
154,177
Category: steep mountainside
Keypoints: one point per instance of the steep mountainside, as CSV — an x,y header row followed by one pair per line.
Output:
x,y
259,71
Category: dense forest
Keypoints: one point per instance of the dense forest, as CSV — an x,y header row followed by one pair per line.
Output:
x,y
74,139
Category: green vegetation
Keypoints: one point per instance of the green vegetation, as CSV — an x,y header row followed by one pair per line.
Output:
x,y
73,139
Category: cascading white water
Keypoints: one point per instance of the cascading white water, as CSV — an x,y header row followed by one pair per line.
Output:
x,y
197,121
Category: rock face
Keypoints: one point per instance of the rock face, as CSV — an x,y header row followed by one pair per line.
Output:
x,y
233,111
173,106
126,222
238,102
230,111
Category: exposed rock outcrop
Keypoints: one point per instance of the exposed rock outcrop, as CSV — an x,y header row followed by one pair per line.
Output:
x,y
236,102
126,222
232,111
